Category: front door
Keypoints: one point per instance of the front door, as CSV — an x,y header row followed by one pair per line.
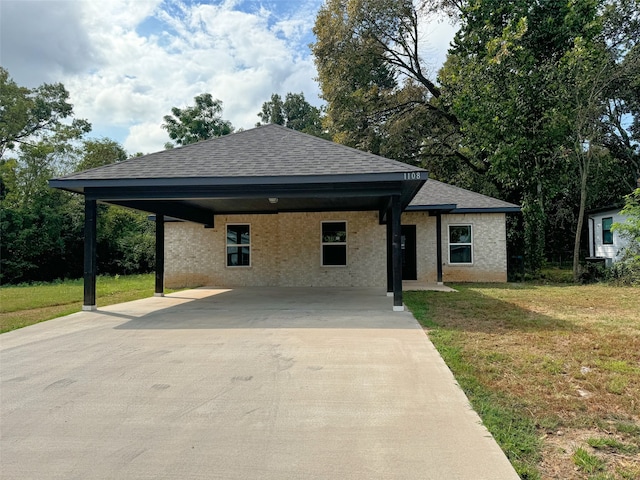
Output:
x,y
409,271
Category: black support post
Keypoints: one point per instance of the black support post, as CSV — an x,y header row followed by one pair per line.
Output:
x,y
439,246
90,222
159,255
396,253
389,261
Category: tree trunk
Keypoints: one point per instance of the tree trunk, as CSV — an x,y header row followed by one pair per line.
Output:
x,y
584,174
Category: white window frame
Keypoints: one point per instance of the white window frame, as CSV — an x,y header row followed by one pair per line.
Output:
x,y
323,243
227,245
470,244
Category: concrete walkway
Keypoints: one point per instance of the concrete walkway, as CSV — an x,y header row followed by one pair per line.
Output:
x,y
254,383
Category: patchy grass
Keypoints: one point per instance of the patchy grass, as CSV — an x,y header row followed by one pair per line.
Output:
x,y
586,462
549,368
25,305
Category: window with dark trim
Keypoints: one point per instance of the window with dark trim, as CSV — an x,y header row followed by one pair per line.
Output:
x,y
607,234
238,245
334,244
460,244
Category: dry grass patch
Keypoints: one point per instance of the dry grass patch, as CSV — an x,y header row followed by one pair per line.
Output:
x,y
567,356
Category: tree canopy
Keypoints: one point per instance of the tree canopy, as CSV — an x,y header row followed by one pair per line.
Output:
x,y
42,228
198,122
295,113
29,116
532,104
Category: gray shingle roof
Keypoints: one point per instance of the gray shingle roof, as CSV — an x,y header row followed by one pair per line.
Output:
x,y
435,193
266,151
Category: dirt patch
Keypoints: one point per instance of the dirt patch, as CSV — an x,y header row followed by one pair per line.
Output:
x,y
559,447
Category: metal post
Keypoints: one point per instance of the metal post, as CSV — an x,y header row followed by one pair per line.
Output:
x,y
439,246
396,253
159,255
90,222
389,262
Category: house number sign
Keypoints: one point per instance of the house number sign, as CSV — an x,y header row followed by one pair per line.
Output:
x,y
413,176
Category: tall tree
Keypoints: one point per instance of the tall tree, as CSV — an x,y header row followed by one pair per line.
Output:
x,y
498,118
42,114
100,152
272,111
199,122
295,113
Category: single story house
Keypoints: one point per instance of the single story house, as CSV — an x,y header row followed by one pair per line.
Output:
x,y
604,243
272,206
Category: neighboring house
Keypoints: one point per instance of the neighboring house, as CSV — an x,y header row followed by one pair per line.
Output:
x,y
603,242
283,208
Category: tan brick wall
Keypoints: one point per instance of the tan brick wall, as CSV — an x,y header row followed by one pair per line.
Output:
x,y
285,251
489,247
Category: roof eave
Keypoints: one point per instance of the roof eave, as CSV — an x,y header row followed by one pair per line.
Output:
x,y
78,185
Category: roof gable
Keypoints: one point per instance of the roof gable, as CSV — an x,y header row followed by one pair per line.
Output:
x,y
266,151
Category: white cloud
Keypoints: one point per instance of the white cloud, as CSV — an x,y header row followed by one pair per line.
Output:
x,y
142,57
43,41
145,138
127,62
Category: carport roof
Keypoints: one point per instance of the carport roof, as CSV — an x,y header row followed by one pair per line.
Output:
x,y
266,151
267,169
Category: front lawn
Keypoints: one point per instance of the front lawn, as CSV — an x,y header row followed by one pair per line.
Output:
x,y
553,370
25,305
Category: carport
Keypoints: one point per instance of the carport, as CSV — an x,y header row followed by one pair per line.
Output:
x,y
266,170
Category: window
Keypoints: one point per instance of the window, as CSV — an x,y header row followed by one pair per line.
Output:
x,y
238,246
334,244
460,244
607,234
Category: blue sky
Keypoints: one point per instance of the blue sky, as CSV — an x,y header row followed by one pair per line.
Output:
x,y
127,62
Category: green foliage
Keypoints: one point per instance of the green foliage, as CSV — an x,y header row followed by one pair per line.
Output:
x,y
100,152
627,269
526,87
295,113
31,116
199,122
630,229
126,241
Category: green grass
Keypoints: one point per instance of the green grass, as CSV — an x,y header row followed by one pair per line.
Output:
x,y
586,462
546,366
612,444
24,305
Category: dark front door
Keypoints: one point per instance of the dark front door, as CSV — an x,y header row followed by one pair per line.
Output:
x,y
409,252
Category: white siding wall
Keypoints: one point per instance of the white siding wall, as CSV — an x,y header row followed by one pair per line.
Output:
x,y
612,251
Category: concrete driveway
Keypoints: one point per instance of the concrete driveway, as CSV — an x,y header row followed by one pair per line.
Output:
x,y
253,383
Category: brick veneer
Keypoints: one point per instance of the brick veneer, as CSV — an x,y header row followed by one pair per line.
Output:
x,y
285,251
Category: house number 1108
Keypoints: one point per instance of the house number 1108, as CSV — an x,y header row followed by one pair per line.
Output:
x,y
413,175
